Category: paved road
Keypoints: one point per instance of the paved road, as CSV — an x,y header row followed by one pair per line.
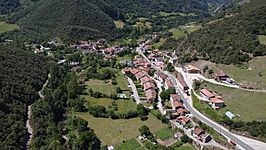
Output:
x,y
198,115
134,90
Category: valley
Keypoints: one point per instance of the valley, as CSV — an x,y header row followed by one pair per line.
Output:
x,y
132,75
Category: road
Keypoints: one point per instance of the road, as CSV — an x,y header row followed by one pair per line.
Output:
x,y
28,124
197,114
190,77
134,90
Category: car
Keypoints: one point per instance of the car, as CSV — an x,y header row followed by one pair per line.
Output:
x,y
231,142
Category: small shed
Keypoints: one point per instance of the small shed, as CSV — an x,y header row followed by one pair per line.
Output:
x,y
230,115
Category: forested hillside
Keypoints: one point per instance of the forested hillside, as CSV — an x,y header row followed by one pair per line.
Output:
x,y
22,76
148,7
7,6
83,19
233,39
75,19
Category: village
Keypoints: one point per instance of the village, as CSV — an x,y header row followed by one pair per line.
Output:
x,y
158,82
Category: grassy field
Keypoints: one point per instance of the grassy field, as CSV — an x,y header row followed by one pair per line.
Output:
x,y
160,43
122,81
131,144
113,132
166,14
127,57
165,133
250,105
4,27
262,39
177,33
105,87
122,105
185,147
119,24
254,75
192,28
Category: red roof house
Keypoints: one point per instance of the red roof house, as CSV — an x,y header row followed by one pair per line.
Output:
x,y
206,94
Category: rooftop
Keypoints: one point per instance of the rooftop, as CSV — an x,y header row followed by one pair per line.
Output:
x,y
207,93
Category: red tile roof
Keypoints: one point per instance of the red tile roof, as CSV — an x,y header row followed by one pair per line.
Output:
x,y
169,83
178,104
216,100
181,80
183,119
181,110
198,131
221,74
150,94
175,97
139,75
149,85
162,75
134,71
145,79
207,93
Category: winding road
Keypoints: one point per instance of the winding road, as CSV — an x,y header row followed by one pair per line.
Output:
x,y
28,123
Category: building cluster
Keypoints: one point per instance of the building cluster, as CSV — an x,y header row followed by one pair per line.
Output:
x,y
215,101
140,72
99,47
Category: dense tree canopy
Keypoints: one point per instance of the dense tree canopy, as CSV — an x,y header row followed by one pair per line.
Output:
x,y
22,76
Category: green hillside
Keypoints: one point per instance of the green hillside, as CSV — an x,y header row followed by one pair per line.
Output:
x,y
75,19
232,39
83,19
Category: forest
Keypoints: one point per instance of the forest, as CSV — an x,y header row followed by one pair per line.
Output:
x,y
22,76
8,6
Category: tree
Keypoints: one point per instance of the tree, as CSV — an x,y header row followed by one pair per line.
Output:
x,y
144,130
186,139
205,69
72,87
142,111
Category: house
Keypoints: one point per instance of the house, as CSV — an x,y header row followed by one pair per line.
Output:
x,y
134,71
201,135
139,75
149,85
216,103
126,71
175,97
206,94
160,65
192,69
145,79
161,76
221,76
182,82
177,105
230,115
151,95
181,111
169,84
183,120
